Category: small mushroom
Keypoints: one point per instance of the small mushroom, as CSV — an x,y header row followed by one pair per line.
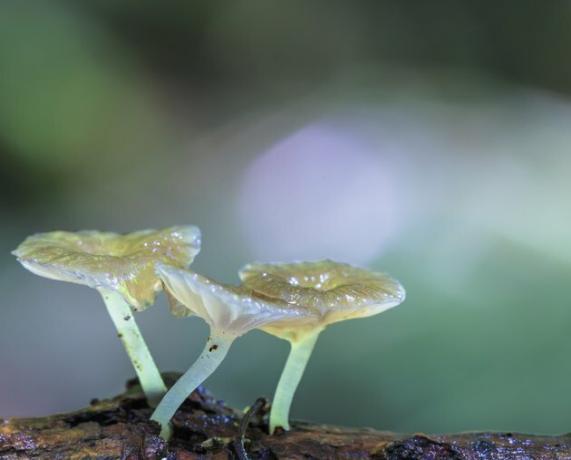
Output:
x,y
122,269
230,312
328,292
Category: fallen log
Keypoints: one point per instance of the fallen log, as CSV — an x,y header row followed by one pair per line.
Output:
x,y
205,428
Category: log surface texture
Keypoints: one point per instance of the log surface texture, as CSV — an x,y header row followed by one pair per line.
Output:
x,y
205,428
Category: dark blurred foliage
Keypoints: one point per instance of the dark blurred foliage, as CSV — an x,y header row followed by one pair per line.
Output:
x,y
227,58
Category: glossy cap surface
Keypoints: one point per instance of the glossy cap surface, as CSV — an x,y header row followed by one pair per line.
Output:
x,y
327,290
125,263
227,309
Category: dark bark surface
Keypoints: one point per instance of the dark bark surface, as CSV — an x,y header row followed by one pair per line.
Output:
x,y
206,428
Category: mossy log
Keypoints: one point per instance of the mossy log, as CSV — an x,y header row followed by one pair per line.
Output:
x,y
205,428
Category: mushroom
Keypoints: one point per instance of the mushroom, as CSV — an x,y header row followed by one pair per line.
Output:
x,y
230,312
122,269
328,292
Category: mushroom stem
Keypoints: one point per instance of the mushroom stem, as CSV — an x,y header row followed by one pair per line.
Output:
x,y
291,376
127,330
213,354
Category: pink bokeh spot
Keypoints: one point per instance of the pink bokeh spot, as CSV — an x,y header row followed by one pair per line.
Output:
x,y
323,192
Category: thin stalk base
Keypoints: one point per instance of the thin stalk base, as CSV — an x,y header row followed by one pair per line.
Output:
x,y
213,354
129,333
289,380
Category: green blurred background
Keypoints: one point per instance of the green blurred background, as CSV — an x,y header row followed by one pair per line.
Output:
x,y
426,139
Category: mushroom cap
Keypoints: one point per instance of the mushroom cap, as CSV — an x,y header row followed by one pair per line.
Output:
x,y
330,290
227,309
125,263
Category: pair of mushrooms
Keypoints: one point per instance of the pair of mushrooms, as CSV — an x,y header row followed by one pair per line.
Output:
x,y
294,301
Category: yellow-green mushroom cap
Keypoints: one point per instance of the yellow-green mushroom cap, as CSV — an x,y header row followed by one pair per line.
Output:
x,y
227,309
124,263
328,291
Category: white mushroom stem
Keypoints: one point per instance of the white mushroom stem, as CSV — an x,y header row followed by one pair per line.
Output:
x,y
213,354
291,376
128,331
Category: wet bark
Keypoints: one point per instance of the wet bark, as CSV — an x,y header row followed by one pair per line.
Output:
x,y
205,428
